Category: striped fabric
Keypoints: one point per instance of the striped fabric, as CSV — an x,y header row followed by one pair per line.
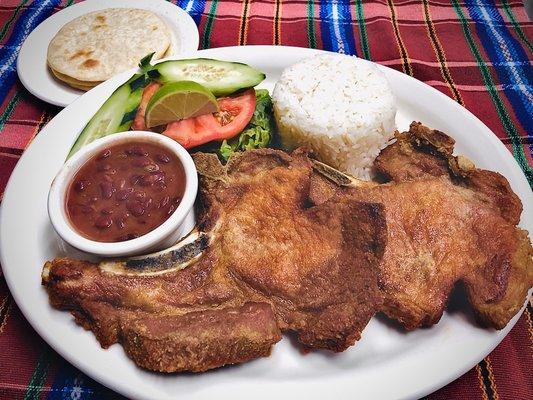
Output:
x,y
478,52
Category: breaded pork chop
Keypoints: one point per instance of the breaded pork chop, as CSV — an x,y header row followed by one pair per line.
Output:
x,y
272,263
317,266
290,247
447,222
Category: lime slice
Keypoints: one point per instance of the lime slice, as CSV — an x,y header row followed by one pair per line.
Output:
x,y
179,100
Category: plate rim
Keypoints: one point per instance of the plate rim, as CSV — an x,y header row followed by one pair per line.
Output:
x,y
191,43
125,389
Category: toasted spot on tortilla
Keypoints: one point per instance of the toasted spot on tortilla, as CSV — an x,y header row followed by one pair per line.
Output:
x,y
90,63
80,53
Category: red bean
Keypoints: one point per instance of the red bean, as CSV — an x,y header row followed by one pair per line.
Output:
x,y
139,195
135,179
148,203
108,178
162,158
138,151
142,162
120,223
105,154
160,186
151,168
103,222
124,194
107,189
135,207
87,209
80,186
164,202
103,167
148,180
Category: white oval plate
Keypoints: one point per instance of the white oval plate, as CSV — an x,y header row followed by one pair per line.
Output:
x,y
31,63
387,363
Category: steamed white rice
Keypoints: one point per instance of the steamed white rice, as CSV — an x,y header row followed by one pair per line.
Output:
x,y
341,107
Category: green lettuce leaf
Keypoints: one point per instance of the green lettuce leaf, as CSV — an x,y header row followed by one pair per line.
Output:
x,y
258,133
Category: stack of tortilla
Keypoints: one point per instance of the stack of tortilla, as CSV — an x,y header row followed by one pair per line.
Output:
x,y
94,47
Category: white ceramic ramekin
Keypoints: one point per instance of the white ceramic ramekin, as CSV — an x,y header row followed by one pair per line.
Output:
x,y
180,223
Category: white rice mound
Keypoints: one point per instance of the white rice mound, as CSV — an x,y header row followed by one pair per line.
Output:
x,y
339,106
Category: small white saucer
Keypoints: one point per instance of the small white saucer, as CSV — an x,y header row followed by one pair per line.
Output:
x,y
31,63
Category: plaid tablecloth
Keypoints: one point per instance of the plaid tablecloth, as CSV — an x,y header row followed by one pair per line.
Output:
x,y
478,52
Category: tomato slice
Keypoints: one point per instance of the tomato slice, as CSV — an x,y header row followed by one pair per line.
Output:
x,y
148,92
235,113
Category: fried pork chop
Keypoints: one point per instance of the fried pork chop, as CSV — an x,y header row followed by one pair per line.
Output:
x,y
272,263
290,244
447,222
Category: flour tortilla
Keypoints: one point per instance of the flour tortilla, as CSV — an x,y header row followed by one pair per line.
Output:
x,y
82,85
98,45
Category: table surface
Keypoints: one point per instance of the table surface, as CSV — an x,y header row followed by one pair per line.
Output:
x,y
478,52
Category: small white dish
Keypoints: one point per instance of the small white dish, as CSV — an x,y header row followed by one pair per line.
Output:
x,y
180,223
31,63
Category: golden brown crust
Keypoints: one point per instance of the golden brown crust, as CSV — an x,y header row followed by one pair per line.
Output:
x,y
447,222
439,234
421,153
497,306
199,341
311,264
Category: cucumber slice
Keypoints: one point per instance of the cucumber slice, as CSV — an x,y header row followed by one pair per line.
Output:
x,y
220,77
115,115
